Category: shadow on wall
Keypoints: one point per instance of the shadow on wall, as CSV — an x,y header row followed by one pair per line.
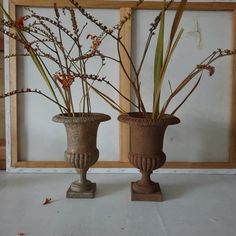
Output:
x,y
197,139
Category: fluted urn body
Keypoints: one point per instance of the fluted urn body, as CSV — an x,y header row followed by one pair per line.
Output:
x,y
81,152
146,151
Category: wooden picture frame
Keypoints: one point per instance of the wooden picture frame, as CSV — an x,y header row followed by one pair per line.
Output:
x,y
123,6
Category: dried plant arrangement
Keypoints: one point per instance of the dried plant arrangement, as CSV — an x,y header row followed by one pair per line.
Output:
x,y
43,44
63,56
49,40
147,128
161,60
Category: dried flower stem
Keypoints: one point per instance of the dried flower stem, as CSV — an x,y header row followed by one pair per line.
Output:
x,y
28,90
205,64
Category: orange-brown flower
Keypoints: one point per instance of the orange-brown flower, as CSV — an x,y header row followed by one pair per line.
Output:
x,y
27,46
47,201
210,69
95,42
20,21
65,80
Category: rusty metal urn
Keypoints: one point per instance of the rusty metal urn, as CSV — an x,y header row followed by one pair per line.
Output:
x,y
81,152
146,152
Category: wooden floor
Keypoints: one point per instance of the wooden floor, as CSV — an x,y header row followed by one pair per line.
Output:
x,y
196,205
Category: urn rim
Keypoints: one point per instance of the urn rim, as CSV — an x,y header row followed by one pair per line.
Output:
x,y
81,118
136,118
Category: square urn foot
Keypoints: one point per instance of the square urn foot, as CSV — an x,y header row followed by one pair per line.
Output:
x,y
86,194
154,197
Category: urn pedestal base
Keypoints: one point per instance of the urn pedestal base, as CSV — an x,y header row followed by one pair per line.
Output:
x,y
90,193
155,196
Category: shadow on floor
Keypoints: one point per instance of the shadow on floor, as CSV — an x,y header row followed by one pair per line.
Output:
x,y
106,189
176,190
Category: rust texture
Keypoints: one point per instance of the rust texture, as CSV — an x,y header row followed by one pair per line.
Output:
x,y
146,151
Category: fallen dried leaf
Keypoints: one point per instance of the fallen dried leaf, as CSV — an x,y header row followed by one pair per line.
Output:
x,y
47,201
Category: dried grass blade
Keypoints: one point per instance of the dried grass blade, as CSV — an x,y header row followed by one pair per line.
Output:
x,y
169,52
158,62
110,101
177,19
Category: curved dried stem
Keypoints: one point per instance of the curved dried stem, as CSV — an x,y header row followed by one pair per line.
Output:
x,y
28,90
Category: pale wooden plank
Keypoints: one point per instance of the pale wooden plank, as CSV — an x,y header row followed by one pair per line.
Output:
x,y
124,134
199,165
103,4
63,164
118,164
203,6
86,4
232,146
2,101
13,86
